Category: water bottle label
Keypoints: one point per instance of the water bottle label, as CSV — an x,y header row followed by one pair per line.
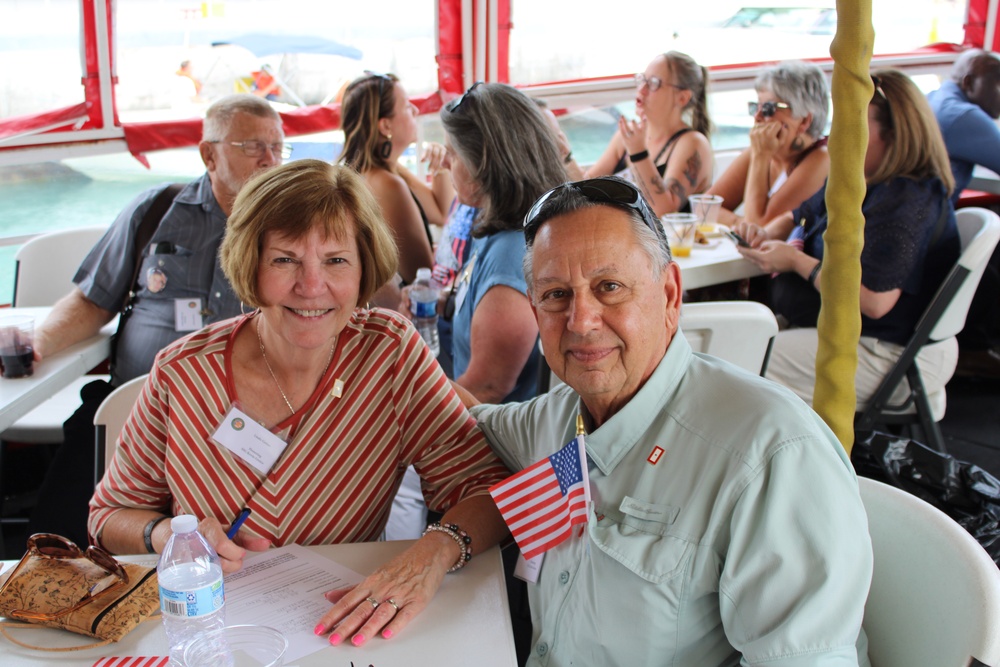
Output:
x,y
424,308
192,604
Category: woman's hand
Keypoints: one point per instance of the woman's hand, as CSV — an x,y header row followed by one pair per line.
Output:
x,y
767,137
772,256
231,552
633,134
400,590
433,154
752,233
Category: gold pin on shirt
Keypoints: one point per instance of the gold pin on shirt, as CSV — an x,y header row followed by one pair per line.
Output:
x,y
580,430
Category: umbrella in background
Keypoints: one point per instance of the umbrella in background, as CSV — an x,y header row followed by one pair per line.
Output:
x,y
263,45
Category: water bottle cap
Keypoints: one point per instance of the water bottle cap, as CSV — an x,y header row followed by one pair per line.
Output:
x,y
185,523
423,276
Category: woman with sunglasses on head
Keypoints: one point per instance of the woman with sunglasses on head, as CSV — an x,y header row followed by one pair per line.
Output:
x,y
787,161
911,242
503,155
379,123
666,152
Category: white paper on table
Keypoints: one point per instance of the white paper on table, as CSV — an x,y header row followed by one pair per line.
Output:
x,y
283,588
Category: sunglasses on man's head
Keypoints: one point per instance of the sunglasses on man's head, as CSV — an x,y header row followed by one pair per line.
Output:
x,y
767,109
605,190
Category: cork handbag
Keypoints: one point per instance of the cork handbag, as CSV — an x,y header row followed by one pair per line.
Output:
x,y
58,585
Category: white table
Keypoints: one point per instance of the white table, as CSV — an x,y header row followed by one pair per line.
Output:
x,y
18,397
717,263
467,623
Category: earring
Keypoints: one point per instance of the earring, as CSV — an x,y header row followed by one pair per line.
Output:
x,y
386,149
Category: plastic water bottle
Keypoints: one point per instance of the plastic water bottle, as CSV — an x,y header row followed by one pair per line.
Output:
x,y
423,305
192,598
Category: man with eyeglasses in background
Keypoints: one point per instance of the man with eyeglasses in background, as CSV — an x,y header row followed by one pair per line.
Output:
x,y
179,288
726,520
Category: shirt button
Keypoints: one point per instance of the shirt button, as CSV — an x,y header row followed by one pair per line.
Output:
x,y
563,577
542,648
218,295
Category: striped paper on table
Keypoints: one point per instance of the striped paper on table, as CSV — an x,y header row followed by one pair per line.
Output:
x,y
133,661
544,501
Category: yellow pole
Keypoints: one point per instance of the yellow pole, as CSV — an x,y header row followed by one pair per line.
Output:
x,y
840,315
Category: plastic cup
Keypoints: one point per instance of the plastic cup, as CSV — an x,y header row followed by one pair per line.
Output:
x,y
681,228
706,207
237,646
17,333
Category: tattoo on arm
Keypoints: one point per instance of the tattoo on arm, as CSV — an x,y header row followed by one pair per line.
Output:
x,y
678,190
693,169
655,184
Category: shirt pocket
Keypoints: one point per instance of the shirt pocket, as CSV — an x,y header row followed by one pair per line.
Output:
x,y
637,535
169,275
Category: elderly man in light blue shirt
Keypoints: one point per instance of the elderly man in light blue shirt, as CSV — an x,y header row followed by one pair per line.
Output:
x,y
726,526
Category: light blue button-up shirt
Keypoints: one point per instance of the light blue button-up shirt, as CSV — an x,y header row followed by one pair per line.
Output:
x,y
743,542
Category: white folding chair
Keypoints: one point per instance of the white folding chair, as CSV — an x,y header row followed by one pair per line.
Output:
x,y
944,318
109,420
43,274
935,593
741,332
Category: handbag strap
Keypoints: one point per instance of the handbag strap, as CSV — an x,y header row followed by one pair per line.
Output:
x,y
5,625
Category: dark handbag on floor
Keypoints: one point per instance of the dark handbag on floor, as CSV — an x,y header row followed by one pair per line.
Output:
x,y
58,585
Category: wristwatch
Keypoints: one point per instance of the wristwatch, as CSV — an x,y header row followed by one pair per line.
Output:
x,y
147,534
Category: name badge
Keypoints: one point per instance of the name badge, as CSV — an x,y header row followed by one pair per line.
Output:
x,y
527,569
187,315
254,444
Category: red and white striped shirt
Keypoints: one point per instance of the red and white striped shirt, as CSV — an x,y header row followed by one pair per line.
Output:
x,y
346,455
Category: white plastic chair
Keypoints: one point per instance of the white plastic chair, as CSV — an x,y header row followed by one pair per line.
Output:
x,y
109,421
944,318
935,594
43,274
741,332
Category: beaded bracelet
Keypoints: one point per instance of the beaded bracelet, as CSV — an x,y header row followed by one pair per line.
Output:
x,y
638,157
461,538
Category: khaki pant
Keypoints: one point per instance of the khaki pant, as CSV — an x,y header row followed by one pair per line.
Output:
x,y
793,364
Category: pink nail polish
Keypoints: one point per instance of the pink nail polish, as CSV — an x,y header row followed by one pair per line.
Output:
x,y
358,640
318,630
335,639
387,633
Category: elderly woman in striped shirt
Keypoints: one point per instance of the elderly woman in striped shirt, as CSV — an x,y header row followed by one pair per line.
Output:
x,y
307,410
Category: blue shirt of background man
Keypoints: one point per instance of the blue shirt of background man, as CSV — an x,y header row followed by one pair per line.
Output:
x,y
192,228
497,261
972,137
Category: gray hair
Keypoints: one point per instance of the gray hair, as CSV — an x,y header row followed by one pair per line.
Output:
x,y
508,147
569,200
966,63
220,114
802,86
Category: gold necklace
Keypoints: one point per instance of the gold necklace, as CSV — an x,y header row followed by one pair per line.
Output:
x,y
260,341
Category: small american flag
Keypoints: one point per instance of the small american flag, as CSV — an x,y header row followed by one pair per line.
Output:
x,y
543,502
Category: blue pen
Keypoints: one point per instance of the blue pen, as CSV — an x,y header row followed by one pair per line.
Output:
x,y
237,522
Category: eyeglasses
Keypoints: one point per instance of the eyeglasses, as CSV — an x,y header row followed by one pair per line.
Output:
x,y
56,547
605,190
767,109
654,83
258,148
453,106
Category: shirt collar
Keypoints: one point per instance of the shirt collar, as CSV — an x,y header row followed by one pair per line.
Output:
x,y
609,444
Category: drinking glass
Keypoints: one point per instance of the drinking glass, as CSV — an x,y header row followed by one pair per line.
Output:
x,y
706,207
16,345
237,646
681,227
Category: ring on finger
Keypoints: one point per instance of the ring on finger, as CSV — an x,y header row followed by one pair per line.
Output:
x,y
392,602
373,601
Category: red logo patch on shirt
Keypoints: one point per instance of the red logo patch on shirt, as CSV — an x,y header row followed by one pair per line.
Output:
x,y
654,456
